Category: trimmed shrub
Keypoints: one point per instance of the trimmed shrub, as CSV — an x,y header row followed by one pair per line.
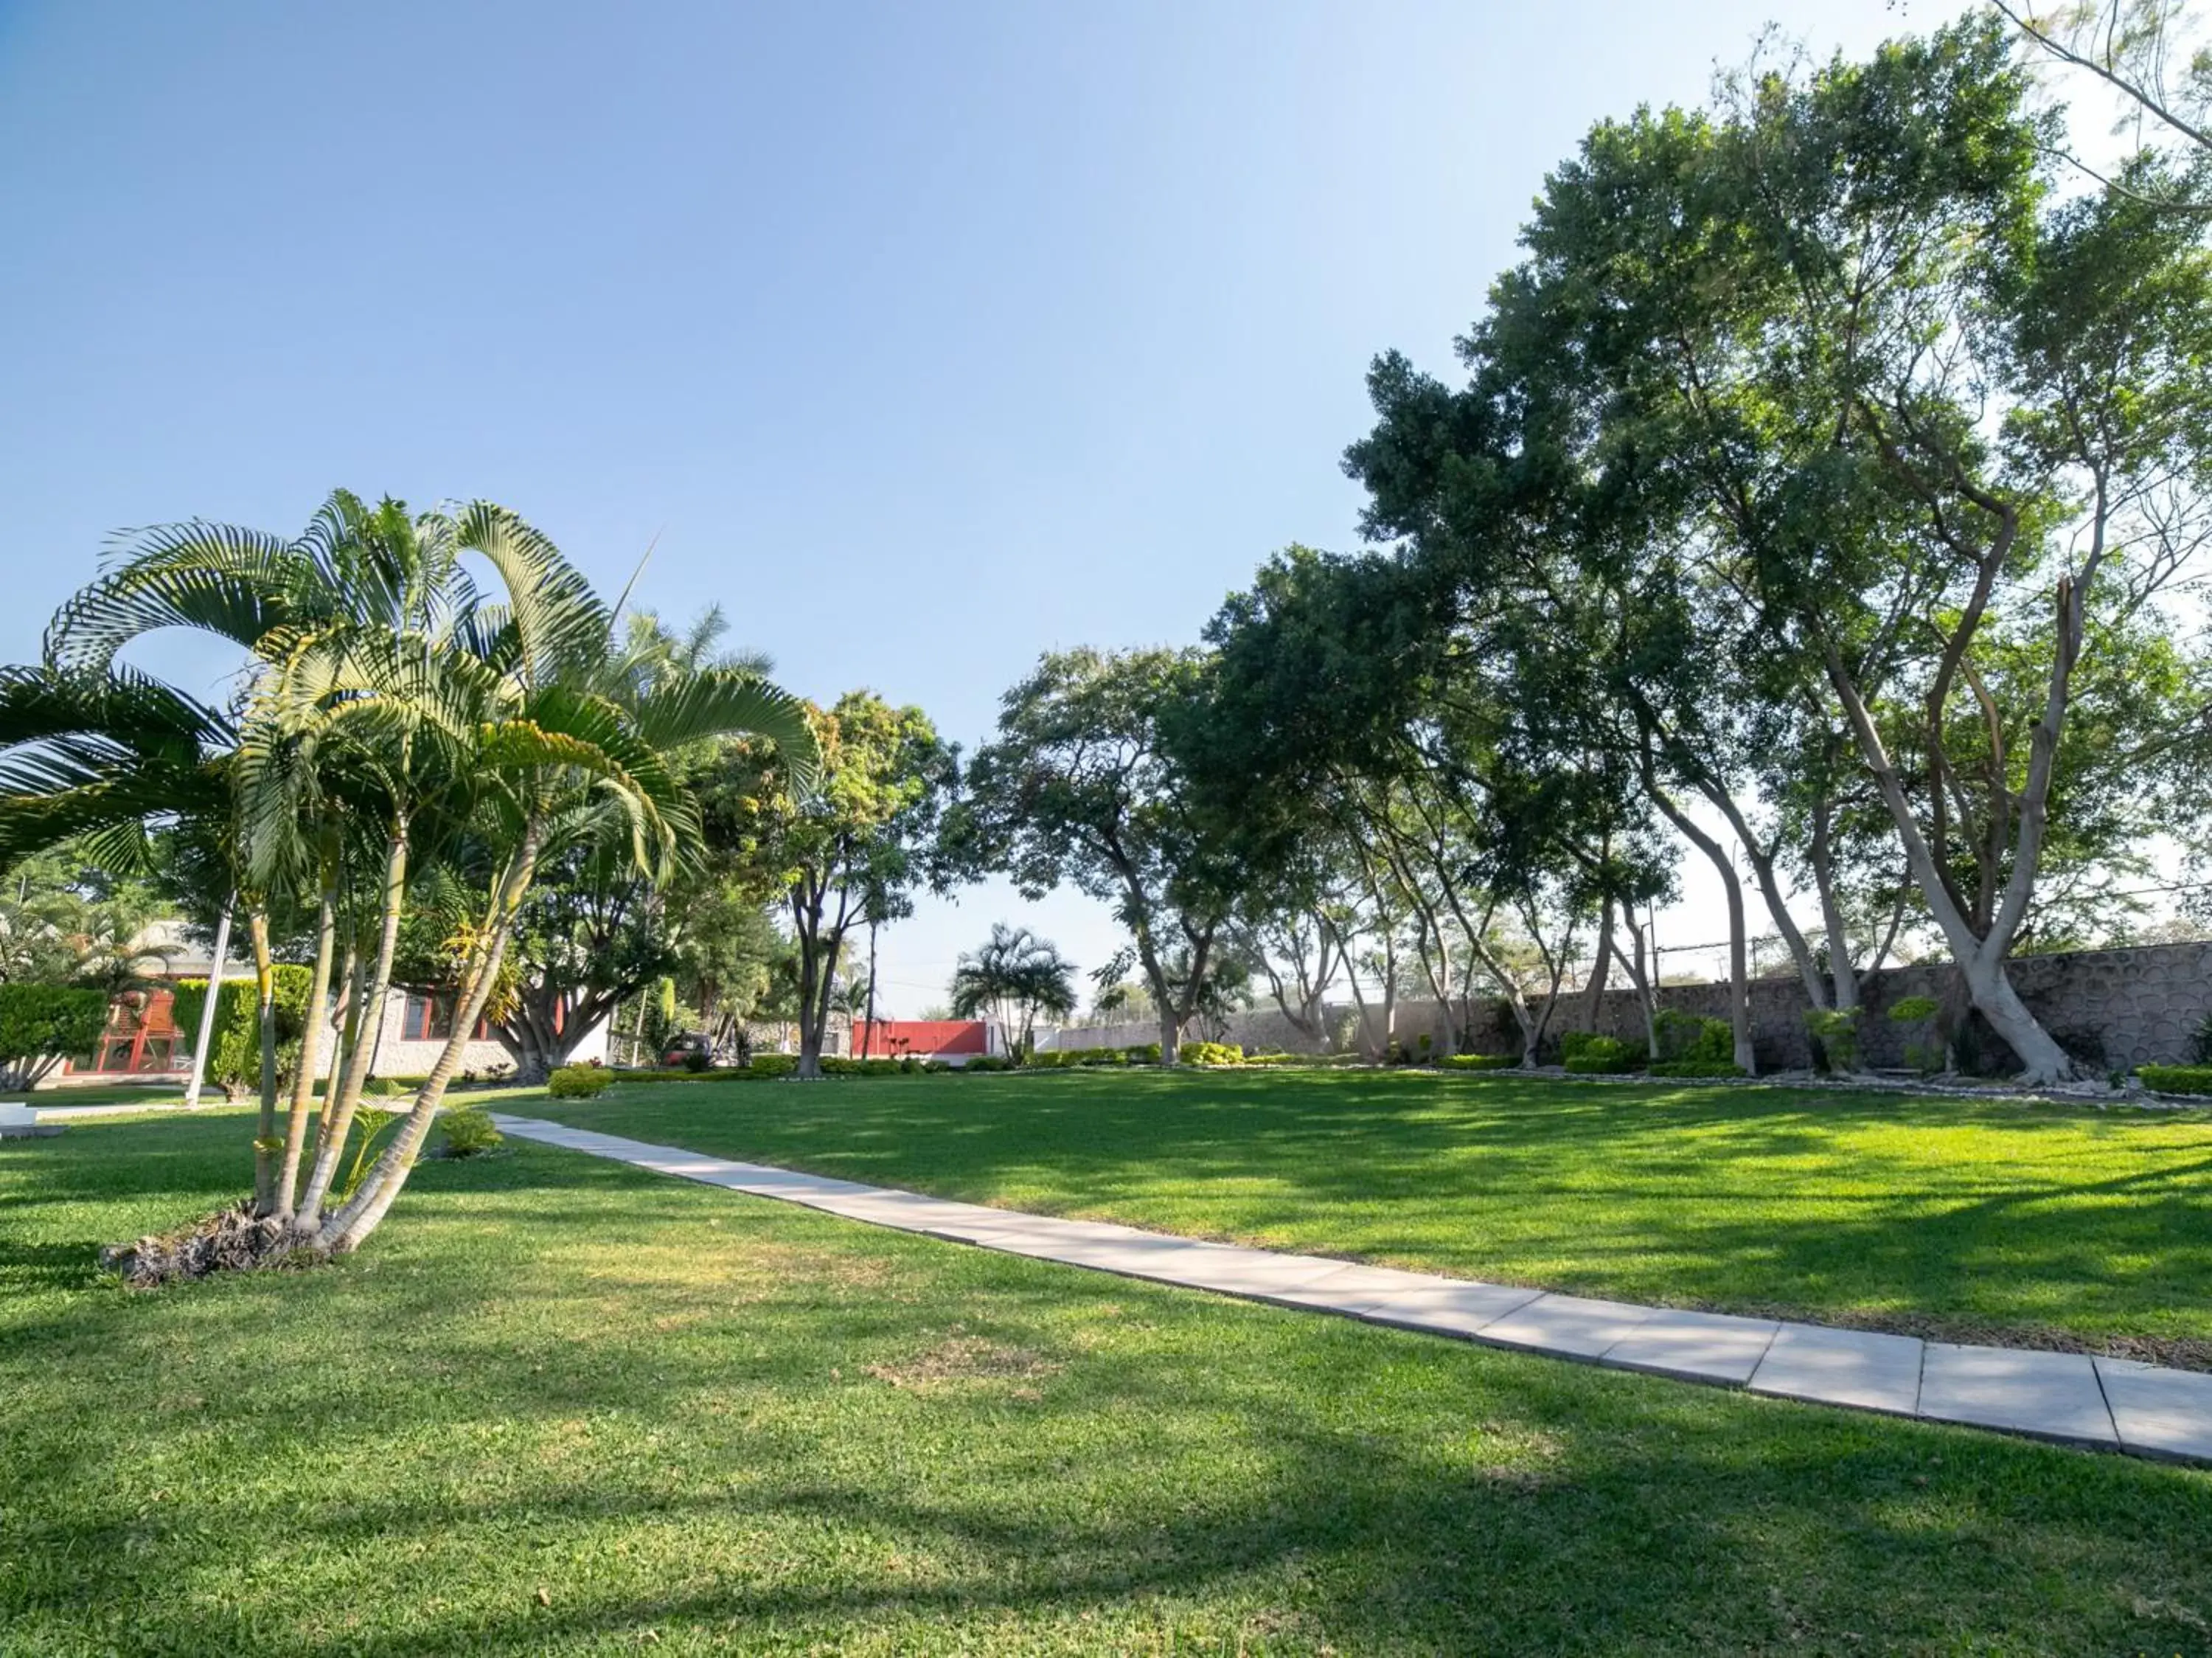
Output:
x,y
938,1067
1692,1036
2176,1079
1210,1053
1694,1067
42,1025
233,1061
579,1081
1835,1032
771,1065
988,1062
1145,1054
1478,1061
1590,1055
470,1133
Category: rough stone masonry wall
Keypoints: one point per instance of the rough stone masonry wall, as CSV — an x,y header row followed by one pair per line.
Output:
x,y
2115,1008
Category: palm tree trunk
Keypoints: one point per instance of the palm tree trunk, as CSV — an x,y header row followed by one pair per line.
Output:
x,y
346,1230
206,1038
362,1048
317,1015
266,1145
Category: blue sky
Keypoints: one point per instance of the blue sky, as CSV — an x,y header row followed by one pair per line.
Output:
x,y
923,339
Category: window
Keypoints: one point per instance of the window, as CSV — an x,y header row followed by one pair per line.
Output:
x,y
430,1019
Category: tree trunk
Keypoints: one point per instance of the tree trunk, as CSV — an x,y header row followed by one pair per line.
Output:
x,y
206,1038
1645,995
360,1057
868,1030
312,1020
1841,972
1594,991
1739,999
362,1213
266,1145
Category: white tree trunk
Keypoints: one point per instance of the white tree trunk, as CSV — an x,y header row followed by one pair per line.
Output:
x,y
207,1012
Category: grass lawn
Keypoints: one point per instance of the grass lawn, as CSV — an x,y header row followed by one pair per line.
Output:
x,y
1969,1219
560,1406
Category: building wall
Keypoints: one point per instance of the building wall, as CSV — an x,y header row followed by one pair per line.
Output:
x,y
2115,1009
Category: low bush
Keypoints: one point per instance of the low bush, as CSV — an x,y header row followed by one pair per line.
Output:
x,y
719,1074
1835,1032
2176,1079
772,1065
1144,1053
989,1062
938,1067
579,1081
1690,1036
698,1063
1480,1061
1694,1067
470,1133
1586,1054
1210,1053
233,1061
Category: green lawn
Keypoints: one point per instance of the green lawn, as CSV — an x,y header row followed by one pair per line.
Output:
x,y
1937,1216
560,1406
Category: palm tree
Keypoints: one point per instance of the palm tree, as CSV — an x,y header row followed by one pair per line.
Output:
x,y
1011,979
387,691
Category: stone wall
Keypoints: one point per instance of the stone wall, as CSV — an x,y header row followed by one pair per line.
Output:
x,y
2112,1008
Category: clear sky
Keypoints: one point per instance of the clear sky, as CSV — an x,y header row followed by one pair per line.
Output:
x,y
923,337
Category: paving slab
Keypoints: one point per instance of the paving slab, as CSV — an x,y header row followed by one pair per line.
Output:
x,y
1455,1309
1232,1270
2050,1395
1863,1368
2157,1411
1571,1326
1696,1346
1353,1287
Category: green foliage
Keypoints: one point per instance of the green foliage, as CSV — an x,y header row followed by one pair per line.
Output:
x,y
698,1063
579,1081
470,1133
986,1061
1586,1053
1210,1053
1478,1061
1835,1032
2176,1079
1015,977
1907,1010
1143,1053
234,1062
41,1025
774,1064
1690,1036
1702,1065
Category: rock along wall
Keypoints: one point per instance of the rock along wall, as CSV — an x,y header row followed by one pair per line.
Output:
x,y
2112,1008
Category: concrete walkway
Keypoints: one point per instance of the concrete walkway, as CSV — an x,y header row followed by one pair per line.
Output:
x,y
2105,1403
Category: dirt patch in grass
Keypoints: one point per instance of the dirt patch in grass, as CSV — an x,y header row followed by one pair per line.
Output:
x,y
961,1357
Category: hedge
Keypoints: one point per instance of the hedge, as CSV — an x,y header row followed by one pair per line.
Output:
x,y
579,1081
1694,1067
1480,1061
41,1025
234,1060
2176,1079
1589,1055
